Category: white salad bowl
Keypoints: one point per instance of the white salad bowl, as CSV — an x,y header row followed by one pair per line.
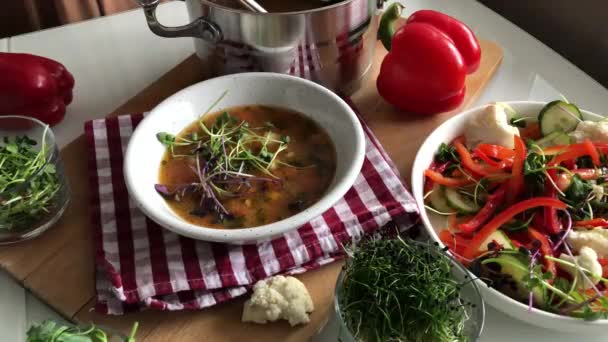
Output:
x,y
434,223
144,152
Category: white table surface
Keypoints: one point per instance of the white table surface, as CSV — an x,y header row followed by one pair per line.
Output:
x,y
113,58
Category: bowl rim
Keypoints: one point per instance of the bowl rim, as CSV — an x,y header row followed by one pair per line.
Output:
x,y
268,231
433,235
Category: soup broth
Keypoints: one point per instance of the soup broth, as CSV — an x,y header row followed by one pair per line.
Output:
x,y
294,165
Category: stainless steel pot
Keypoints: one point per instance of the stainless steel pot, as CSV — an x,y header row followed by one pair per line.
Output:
x,y
332,45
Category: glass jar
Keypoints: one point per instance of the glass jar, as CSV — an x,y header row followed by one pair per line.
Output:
x,y
469,293
33,189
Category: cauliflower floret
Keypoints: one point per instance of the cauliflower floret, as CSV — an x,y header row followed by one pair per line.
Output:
x,y
598,191
595,131
490,127
596,238
587,259
276,298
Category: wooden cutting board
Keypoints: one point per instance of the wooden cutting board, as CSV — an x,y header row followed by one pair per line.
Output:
x,y
58,267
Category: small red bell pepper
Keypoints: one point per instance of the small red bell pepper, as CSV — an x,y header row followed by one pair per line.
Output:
x,y
516,183
494,201
598,222
428,60
447,181
545,249
503,217
34,86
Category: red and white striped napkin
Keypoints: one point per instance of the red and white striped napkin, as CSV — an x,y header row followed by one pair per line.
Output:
x,y
140,264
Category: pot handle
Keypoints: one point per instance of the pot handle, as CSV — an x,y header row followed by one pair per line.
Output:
x,y
200,28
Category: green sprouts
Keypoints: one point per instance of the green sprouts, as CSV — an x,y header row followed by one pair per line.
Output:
x,y
28,183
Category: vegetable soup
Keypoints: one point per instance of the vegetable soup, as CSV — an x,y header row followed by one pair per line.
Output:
x,y
246,166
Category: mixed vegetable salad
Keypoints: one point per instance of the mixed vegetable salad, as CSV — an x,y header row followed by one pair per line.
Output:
x,y
527,207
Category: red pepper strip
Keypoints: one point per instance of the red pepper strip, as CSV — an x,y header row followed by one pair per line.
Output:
x,y
531,131
598,222
503,217
447,181
453,241
573,152
428,185
545,249
595,156
496,151
503,164
467,161
516,183
563,179
557,149
494,201
479,154
506,163
551,222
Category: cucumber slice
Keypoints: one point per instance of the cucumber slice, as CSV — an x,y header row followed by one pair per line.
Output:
x,y
459,202
554,138
519,271
500,238
438,201
562,139
559,116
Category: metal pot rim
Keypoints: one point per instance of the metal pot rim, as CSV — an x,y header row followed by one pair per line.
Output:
x,y
280,14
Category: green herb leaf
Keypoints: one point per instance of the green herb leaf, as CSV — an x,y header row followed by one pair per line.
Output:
x,y
578,190
166,139
446,153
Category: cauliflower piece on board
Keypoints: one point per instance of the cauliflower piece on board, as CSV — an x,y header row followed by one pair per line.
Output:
x,y
490,127
277,298
596,238
587,259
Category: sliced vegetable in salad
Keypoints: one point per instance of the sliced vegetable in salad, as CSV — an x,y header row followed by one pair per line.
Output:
x,y
529,216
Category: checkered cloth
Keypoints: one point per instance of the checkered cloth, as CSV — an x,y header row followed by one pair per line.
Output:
x,y
139,264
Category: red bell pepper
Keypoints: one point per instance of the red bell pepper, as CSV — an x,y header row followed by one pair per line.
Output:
x,y
447,181
34,86
545,249
428,60
598,222
495,200
503,217
516,183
